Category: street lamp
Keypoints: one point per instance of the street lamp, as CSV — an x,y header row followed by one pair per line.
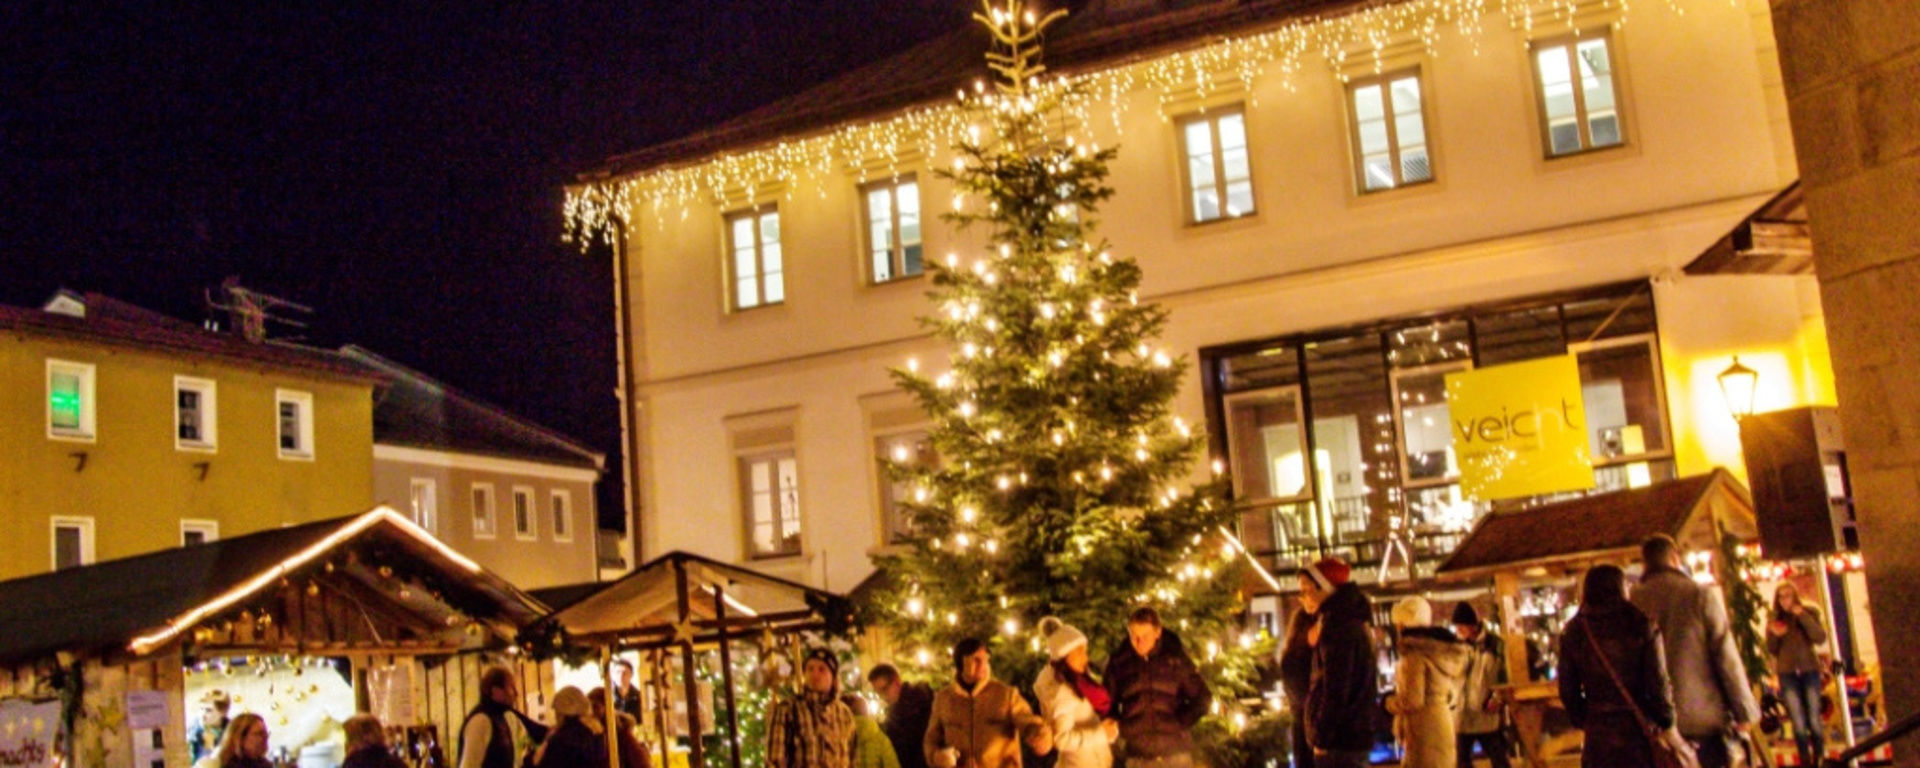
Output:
x,y
1737,384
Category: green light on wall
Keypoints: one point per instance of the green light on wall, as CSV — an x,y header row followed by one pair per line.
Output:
x,y
64,401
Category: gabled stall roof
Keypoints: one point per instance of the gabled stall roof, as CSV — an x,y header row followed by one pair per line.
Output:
x,y
139,604
1605,526
643,609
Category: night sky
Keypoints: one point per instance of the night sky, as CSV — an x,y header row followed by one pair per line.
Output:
x,y
395,165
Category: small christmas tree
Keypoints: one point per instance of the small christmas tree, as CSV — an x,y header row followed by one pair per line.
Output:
x,y
1061,484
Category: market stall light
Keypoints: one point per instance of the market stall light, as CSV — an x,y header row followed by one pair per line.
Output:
x,y
1737,385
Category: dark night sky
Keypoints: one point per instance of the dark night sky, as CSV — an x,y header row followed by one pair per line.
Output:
x,y
395,165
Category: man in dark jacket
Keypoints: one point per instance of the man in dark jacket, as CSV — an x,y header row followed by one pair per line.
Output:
x,y
1342,690
1157,694
494,727
908,707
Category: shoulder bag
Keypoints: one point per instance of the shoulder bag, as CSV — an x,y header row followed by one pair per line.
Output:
x,y
1669,749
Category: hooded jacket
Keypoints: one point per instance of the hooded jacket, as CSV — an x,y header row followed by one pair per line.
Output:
x,y
810,729
1426,685
983,726
1710,688
1077,735
1156,698
1340,694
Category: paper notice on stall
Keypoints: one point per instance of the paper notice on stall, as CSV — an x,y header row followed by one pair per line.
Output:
x,y
147,716
29,733
392,693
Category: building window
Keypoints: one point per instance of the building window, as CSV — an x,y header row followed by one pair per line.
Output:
x,y
753,244
893,228
423,502
1219,176
483,519
562,516
195,417
72,542
525,526
69,400
1425,425
1389,131
770,497
296,423
902,449
194,532
1579,99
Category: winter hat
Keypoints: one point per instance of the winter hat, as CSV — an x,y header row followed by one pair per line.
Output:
x,y
824,656
1330,572
1061,638
1464,614
1413,611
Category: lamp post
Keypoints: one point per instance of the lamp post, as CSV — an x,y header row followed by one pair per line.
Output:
x,y
1737,385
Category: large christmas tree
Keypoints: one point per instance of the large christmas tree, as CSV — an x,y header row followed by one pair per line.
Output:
x,y
1061,484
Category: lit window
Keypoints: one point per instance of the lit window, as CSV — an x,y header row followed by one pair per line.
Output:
x,y
904,449
195,532
562,516
1579,102
770,497
195,424
69,400
1218,175
893,229
423,500
1389,132
753,242
72,542
525,527
483,519
296,424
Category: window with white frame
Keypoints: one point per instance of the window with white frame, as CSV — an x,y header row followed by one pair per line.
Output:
x,y
1389,131
1579,94
770,499
72,542
70,412
195,416
562,505
295,417
483,517
423,501
193,532
900,449
1218,172
893,228
525,525
754,262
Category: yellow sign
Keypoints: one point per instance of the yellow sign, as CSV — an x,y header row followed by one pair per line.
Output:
x,y
1520,429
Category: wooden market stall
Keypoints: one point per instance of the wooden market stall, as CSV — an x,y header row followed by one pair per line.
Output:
x,y
114,643
681,605
1535,556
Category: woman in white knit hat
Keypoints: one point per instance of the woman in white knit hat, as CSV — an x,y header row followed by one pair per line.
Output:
x,y
1426,685
1072,701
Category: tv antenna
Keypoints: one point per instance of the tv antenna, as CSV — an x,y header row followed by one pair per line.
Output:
x,y
250,311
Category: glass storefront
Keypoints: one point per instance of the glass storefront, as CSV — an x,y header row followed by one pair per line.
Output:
x,y
1340,442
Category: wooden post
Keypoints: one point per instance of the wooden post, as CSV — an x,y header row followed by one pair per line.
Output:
x,y
696,757
1506,589
726,673
613,715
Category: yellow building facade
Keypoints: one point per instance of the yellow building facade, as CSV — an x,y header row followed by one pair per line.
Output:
x,y
126,434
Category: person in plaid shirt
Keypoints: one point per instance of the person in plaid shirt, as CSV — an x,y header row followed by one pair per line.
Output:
x,y
812,729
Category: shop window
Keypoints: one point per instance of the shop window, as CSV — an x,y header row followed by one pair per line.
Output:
x,y
1609,318
1579,101
423,501
1425,425
562,503
1276,366
195,532
72,542
485,523
1218,173
901,449
755,263
1510,337
770,499
295,411
1269,453
70,412
1625,399
525,527
893,229
1347,395
1389,131
196,424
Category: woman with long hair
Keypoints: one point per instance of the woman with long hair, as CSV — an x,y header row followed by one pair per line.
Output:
x,y
1073,701
1612,663
243,745
1794,631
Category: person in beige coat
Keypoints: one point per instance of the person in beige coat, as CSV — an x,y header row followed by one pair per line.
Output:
x,y
1426,686
979,722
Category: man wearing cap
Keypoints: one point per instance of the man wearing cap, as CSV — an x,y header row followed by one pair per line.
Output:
x,y
1340,693
1477,721
812,729
978,722
1157,694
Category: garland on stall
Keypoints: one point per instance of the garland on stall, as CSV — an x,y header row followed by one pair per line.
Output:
x,y
1746,610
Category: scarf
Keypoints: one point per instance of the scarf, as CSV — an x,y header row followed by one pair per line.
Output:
x,y
1094,693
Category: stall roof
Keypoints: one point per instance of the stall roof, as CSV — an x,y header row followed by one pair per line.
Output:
x,y
139,604
643,608
1602,526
